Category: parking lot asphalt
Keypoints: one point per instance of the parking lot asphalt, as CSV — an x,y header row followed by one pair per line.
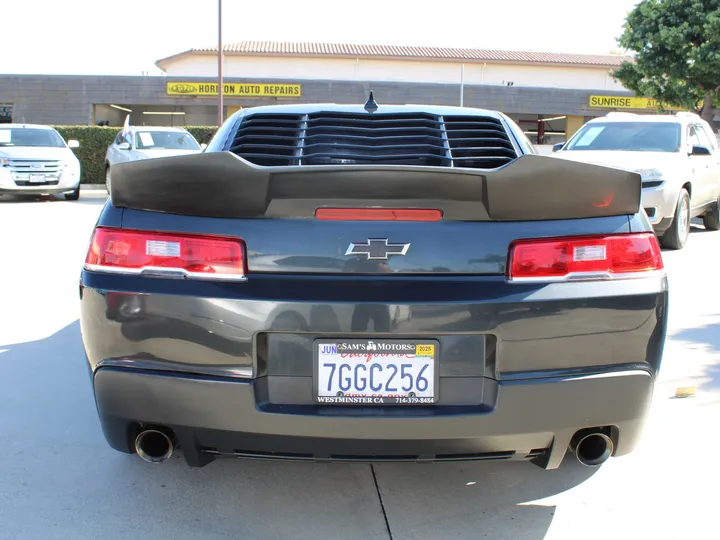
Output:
x,y
60,480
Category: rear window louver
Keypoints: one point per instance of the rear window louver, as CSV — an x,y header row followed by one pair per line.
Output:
x,y
331,138
268,139
479,142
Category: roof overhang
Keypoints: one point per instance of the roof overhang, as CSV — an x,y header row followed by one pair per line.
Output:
x,y
169,59
163,63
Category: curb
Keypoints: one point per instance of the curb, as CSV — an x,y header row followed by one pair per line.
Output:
x,y
93,187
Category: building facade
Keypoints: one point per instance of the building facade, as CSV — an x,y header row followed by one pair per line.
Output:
x,y
550,95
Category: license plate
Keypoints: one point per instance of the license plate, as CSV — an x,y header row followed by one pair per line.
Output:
x,y
36,178
376,372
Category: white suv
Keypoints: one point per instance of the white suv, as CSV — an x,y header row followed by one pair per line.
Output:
x,y
677,157
35,160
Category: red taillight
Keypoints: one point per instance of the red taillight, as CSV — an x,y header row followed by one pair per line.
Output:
x,y
584,257
378,214
166,254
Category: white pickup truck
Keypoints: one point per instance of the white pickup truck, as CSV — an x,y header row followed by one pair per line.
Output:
x,y
36,160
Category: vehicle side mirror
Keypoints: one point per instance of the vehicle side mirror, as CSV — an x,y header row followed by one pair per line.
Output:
x,y
557,147
72,143
203,146
700,151
124,146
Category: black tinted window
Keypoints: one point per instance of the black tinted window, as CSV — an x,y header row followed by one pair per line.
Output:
x,y
703,138
629,136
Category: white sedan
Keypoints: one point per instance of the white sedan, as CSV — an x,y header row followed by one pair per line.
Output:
x,y
135,143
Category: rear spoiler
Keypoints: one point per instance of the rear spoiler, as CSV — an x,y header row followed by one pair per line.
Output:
x,y
221,184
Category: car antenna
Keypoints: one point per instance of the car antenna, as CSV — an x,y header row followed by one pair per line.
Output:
x,y
371,106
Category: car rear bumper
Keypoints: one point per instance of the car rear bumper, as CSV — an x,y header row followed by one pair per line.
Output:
x,y
660,203
230,370
662,226
518,419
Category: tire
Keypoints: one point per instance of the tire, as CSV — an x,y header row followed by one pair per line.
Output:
x,y
711,219
677,235
74,196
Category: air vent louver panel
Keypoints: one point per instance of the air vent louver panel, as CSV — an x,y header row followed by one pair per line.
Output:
x,y
479,142
390,139
268,139
333,138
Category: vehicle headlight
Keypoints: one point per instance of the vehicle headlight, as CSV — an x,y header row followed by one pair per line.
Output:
x,y
650,174
4,162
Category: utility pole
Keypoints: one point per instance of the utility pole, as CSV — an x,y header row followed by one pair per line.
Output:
x,y
220,66
462,83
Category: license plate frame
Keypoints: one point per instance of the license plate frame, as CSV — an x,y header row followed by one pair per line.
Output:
x,y
36,178
372,399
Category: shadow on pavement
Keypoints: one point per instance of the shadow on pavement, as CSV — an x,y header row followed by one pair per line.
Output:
x,y
707,336
474,500
21,199
697,227
59,479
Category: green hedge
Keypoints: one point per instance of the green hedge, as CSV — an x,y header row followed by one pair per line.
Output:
x,y
203,134
94,141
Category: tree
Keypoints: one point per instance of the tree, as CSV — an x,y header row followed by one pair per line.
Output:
x,y
677,53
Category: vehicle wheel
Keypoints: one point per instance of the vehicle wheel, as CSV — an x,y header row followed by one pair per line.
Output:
x,y
107,178
711,219
677,234
74,196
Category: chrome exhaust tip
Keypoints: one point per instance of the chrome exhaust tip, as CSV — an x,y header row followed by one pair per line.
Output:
x,y
153,446
592,449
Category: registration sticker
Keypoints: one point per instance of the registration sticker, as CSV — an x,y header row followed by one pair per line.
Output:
x,y
376,372
425,350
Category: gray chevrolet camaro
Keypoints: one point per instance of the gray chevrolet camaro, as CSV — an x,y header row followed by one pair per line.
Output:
x,y
373,283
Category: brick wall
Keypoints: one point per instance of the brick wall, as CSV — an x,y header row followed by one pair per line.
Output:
x,y
70,99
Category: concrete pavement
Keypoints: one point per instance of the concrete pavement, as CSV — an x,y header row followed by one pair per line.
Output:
x,y
59,479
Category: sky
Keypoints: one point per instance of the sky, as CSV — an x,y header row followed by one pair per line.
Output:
x,y
127,37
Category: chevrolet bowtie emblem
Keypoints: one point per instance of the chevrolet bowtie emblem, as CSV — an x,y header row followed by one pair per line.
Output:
x,y
377,249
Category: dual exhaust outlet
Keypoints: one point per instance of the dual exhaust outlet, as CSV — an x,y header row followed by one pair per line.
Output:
x,y
592,448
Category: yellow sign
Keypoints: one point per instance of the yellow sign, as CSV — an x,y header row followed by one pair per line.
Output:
x,y
425,350
234,89
620,102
